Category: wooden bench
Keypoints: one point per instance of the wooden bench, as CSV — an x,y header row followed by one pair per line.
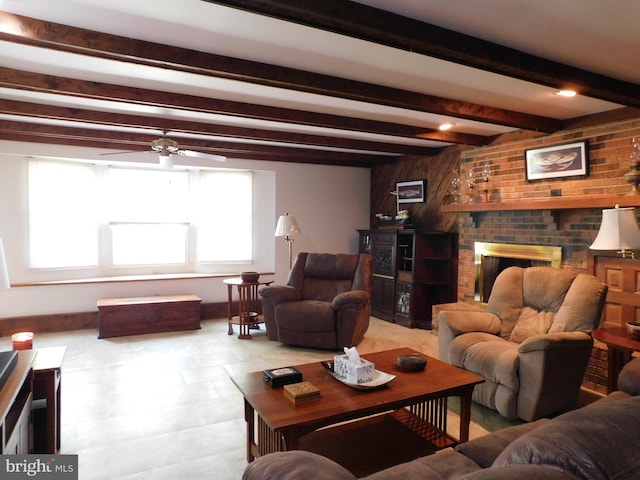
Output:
x,y
139,315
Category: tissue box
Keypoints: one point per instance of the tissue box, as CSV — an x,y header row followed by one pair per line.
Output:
x,y
351,371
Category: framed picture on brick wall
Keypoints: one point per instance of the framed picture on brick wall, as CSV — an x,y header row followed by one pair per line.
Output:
x,y
566,160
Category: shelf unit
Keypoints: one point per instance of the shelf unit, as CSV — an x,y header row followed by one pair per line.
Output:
x,y
413,270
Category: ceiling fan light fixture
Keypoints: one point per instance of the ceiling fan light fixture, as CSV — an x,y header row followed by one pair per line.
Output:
x,y
566,93
165,160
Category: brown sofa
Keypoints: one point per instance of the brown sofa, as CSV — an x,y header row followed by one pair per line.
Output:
x,y
596,442
532,344
325,304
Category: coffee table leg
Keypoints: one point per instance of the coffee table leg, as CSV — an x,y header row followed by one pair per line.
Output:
x,y
465,416
249,418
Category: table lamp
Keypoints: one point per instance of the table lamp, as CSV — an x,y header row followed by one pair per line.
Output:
x,y
618,231
286,227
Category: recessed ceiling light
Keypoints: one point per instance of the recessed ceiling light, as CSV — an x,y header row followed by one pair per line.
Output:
x,y
566,93
446,126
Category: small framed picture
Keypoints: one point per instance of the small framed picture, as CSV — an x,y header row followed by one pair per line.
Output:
x,y
567,160
411,192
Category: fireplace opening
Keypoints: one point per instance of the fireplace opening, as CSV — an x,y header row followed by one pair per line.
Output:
x,y
492,258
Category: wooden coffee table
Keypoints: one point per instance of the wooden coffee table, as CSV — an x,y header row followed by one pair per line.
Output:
x,y
367,430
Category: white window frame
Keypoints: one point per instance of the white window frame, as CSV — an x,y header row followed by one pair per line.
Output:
x,y
105,266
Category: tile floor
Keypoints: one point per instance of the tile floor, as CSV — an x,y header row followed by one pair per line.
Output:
x,y
162,406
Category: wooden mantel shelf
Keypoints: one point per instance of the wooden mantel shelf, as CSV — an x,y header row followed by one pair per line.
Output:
x,y
553,203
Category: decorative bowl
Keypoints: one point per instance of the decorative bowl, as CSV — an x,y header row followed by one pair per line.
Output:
x,y
634,329
412,362
249,276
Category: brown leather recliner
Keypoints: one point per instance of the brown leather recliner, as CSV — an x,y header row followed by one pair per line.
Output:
x,y
532,344
325,303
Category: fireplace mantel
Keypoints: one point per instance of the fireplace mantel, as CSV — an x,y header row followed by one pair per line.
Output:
x,y
553,203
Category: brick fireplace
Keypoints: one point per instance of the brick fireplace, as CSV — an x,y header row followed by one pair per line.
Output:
x,y
492,258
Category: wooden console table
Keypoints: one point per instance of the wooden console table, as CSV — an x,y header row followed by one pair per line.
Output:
x,y
138,315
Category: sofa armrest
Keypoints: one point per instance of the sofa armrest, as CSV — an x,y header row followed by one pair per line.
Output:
x,y
629,378
359,297
553,341
470,321
280,294
295,465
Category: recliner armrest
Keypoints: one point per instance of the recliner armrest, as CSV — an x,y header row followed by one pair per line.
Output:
x,y
359,297
552,341
280,294
470,321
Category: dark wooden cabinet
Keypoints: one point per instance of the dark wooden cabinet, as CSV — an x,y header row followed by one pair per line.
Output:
x,y
622,275
16,397
413,271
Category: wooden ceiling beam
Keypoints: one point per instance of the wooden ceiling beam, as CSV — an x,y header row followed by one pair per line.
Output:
x,y
29,81
87,137
60,37
369,23
51,112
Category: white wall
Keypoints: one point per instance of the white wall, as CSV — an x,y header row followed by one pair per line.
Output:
x,y
329,202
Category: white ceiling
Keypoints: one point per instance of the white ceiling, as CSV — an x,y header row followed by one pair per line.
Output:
x,y
594,35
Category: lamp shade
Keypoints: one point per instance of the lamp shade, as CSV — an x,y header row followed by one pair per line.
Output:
x,y
618,231
287,226
4,273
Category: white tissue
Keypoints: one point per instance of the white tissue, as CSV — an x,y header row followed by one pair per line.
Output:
x,y
353,355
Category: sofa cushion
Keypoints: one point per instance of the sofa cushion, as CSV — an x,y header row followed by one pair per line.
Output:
x,y
319,316
582,306
488,356
484,450
295,465
446,464
520,472
599,442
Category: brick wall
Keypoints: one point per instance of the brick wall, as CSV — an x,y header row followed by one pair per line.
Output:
x,y
609,146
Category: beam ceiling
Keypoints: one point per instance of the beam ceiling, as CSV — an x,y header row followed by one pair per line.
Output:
x,y
41,106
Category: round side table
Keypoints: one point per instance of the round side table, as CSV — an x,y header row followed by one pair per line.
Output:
x,y
247,316
620,346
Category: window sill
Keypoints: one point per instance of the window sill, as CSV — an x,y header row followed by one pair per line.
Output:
x,y
132,278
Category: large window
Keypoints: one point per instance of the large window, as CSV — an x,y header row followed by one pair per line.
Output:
x,y
132,220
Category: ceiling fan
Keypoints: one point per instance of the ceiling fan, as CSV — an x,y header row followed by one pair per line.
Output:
x,y
165,147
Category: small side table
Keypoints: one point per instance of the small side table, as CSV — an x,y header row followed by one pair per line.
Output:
x,y
620,346
47,385
248,305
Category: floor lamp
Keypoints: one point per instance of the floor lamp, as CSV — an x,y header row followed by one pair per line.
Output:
x,y
287,227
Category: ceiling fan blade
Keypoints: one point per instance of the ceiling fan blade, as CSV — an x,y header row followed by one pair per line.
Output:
x,y
191,153
126,152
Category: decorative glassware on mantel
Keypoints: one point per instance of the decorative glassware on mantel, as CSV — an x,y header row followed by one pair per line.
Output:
x,y
455,194
483,180
633,175
471,184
